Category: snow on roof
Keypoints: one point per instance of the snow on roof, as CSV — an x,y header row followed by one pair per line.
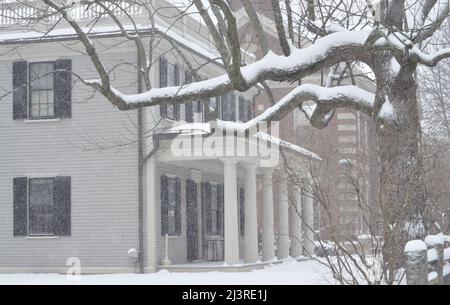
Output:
x,y
103,30
285,144
163,27
187,40
191,128
206,128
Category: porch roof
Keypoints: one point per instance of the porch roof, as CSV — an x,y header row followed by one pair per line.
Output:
x,y
208,128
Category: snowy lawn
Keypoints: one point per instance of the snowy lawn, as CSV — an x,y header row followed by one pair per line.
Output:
x,y
288,273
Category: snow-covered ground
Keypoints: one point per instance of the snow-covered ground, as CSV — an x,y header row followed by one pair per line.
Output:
x,y
288,273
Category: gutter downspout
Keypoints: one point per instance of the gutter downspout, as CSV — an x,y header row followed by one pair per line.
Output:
x,y
141,165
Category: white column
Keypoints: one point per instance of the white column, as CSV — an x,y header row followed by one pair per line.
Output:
x,y
267,234
231,232
283,220
250,216
308,225
296,222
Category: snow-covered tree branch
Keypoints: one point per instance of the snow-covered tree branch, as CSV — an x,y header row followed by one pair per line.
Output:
x,y
337,45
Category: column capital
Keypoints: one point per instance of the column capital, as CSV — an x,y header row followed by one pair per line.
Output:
x,y
267,169
196,175
230,161
249,165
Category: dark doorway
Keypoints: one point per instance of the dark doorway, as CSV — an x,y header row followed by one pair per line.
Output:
x,y
191,220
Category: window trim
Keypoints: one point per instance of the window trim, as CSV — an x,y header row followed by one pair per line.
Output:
x,y
29,234
29,102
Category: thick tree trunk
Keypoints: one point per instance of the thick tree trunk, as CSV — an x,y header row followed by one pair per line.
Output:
x,y
402,187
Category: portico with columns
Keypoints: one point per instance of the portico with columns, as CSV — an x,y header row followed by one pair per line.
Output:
x,y
249,212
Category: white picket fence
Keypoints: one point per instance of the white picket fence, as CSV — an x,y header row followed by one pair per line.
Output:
x,y
428,261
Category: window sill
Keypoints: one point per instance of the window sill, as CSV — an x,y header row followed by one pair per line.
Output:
x,y
171,236
42,237
215,237
42,120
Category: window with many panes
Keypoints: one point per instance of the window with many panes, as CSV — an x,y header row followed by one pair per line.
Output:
x,y
41,206
227,104
214,210
245,109
41,90
197,110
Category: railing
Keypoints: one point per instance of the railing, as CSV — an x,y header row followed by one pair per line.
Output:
x,y
18,14
428,262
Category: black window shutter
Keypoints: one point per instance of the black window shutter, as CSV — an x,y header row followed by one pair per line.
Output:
x,y
203,218
221,106
242,210
176,74
232,107
164,205
62,203
20,92
178,206
187,77
250,114
203,206
208,208
219,215
20,206
189,105
189,112
176,77
242,108
163,83
62,87
162,72
163,109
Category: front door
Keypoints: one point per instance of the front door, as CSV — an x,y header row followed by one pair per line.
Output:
x,y
191,220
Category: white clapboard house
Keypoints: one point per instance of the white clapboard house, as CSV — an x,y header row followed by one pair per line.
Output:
x,y
69,174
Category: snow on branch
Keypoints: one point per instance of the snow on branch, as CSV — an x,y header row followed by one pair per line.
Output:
x,y
302,62
431,59
338,45
401,45
324,98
